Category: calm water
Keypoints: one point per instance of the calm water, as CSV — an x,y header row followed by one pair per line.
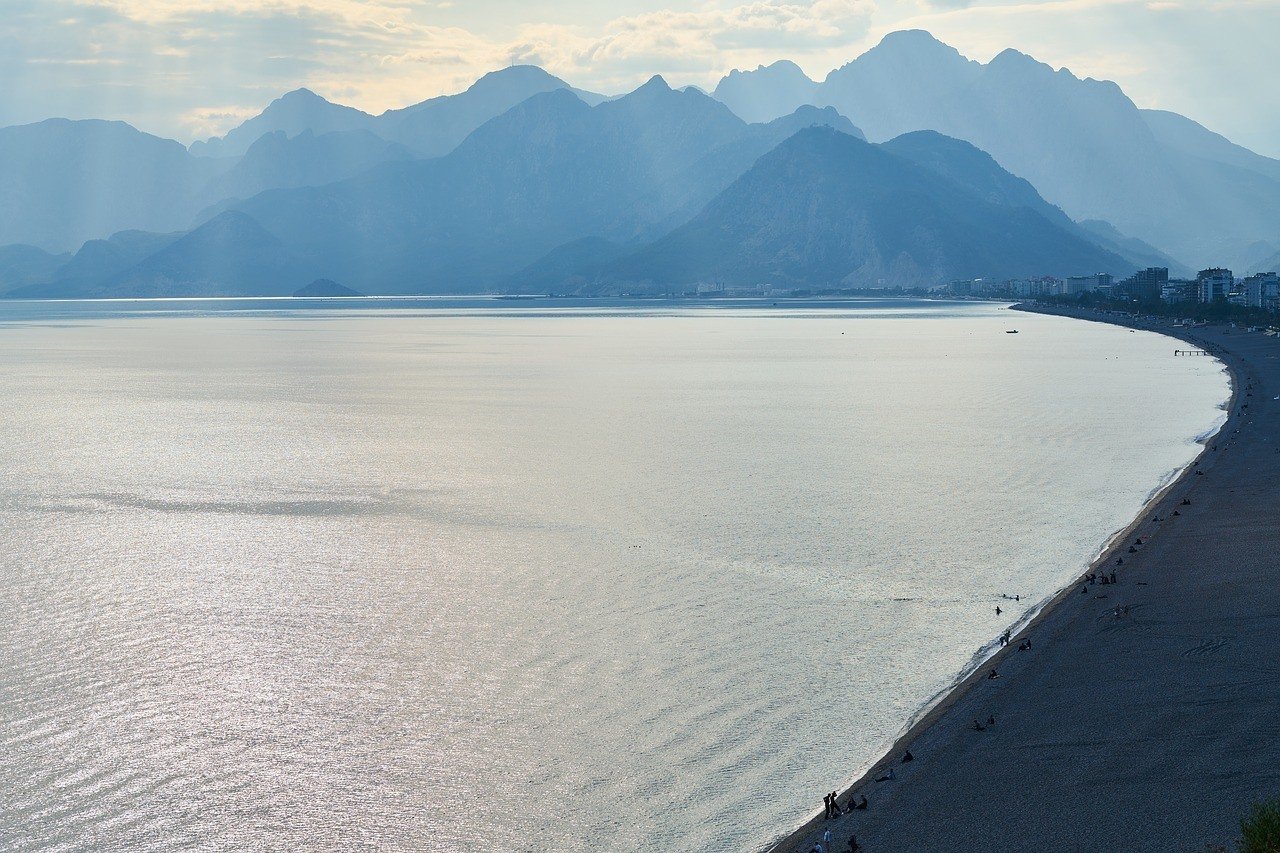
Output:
x,y
472,576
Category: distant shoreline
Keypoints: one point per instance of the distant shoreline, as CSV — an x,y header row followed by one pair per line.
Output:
x,y
935,713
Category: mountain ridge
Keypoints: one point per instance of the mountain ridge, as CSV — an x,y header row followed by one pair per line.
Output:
x,y
1081,142
827,209
563,177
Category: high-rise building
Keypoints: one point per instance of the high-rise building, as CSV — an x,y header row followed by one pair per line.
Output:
x,y
1214,284
1179,290
1144,285
1262,290
1087,283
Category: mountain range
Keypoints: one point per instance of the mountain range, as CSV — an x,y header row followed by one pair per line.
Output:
x,y
430,129
1082,143
64,182
827,208
908,166
546,172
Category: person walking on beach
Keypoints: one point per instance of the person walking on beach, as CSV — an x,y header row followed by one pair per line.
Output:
x,y
836,811
826,839
826,806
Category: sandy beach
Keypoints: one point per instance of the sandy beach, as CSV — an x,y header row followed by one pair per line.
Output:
x,y
1146,714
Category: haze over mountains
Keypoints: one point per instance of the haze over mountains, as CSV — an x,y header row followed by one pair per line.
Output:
x,y
431,128
825,206
1083,144
523,183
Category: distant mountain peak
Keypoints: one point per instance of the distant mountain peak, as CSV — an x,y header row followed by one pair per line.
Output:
x,y
654,91
656,83
808,115
809,110
325,287
916,52
302,99
515,73
912,43
782,67
767,93
292,112
1010,58
914,38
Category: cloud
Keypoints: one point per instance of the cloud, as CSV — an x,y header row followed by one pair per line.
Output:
x,y
169,59
159,63
165,11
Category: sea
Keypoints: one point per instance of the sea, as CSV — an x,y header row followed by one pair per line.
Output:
x,y
531,574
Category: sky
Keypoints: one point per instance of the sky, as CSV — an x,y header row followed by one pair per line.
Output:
x,y
190,69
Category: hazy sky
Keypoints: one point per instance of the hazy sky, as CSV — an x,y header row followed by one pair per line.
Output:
x,y
191,68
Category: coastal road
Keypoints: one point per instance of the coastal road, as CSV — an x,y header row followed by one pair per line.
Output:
x,y
1150,730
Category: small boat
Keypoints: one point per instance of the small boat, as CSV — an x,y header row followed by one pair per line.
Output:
x,y
1011,331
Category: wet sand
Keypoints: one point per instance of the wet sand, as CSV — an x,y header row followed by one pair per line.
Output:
x,y
1151,730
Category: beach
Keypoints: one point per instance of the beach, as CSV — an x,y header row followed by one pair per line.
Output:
x,y
1146,714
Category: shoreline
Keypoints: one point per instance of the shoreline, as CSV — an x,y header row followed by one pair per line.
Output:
x,y
939,707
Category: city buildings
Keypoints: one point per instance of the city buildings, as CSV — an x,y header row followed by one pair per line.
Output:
x,y
1214,284
1179,290
1077,284
1031,288
1262,291
1144,285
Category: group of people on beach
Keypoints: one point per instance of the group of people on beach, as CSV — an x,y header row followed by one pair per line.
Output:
x,y
1103,579
832,809
824,846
